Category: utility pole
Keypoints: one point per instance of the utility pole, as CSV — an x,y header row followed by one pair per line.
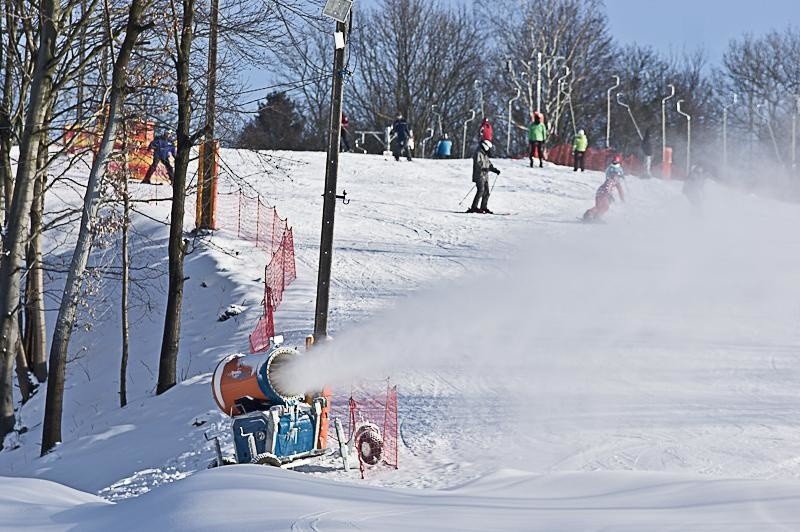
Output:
x,y
207,183
331,175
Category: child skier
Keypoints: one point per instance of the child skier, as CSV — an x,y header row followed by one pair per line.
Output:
x,y
481,166
605,194
537,135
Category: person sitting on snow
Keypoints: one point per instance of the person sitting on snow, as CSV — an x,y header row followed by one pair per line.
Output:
x,y
605,194
481,166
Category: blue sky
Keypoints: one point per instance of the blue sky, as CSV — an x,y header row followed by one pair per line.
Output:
x,y
676,25
688,24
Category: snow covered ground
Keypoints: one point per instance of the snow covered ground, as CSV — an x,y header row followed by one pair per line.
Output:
x,y
637,374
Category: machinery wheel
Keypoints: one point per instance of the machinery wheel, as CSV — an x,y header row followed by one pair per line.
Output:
x,y
267,459
369,444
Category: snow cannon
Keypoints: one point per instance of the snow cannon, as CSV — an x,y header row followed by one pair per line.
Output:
x,y
271,425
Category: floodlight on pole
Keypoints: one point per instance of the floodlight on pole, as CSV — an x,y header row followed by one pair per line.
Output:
x,y
438,118
464,138
477,86
426,139
630,113
608,110
688,137
794,130
508,133
559,84
337,9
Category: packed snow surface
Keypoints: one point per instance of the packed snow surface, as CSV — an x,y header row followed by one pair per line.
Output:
x,y
636,374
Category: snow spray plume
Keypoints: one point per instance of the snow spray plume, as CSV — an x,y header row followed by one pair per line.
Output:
x,y
580,305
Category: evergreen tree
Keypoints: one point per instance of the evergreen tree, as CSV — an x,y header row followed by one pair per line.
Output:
x,y
277,126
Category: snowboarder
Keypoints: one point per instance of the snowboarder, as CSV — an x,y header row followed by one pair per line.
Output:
x,y
647,150
402,135
162,148
605,194
481,166
344,145
579,145
443,147
537,134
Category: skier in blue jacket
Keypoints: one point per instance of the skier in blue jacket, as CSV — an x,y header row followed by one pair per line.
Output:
x,y
162,148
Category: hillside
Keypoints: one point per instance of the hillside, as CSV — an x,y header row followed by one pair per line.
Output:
x,y
551,373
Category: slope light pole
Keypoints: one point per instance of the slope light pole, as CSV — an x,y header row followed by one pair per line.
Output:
x,y
477,86
508,133
559,85
794,131
339,10
725,131
608,110
464,139
664,118
630,113
688,137
438,119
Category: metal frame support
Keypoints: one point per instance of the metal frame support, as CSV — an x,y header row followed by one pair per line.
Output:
x,y
464,138
688,137
608,110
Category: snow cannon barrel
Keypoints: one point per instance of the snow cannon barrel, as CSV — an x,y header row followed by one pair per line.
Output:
x,y
239,379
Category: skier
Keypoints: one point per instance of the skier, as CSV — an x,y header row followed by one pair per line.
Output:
x,y
344,145
481,166
443,147
486,130
537,134
647,150
605,194
402,134
162,148
693,187
579,145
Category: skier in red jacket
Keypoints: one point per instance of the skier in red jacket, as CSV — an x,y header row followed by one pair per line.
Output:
x,y
486,130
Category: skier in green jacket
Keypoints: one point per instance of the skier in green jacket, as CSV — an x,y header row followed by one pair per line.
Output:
x,y
579,145
537,134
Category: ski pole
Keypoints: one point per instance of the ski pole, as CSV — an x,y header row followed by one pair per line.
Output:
x,y
493,182
467,195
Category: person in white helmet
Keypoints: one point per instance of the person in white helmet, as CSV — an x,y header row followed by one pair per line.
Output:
x,y
579,145
481,166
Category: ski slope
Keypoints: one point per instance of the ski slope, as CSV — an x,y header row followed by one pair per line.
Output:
x,y
553,375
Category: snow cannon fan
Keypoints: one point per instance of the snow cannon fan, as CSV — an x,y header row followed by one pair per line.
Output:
x,y
271,425
368,443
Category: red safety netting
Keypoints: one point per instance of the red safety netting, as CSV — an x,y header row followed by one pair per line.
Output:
x,y
371,404
265,329
595,159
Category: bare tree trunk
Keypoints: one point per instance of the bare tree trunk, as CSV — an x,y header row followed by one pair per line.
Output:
x,y
6,130
35,330
123,367
167,366
51,431
16,237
